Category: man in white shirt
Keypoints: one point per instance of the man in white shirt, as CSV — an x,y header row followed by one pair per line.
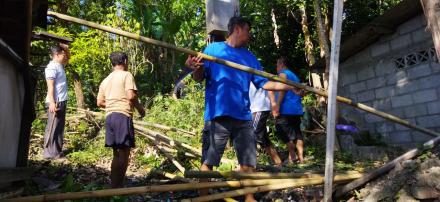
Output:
x,y
56,102
260,108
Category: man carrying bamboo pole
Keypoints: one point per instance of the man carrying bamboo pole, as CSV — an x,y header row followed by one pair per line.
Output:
x,y
227,112
287,113
118,95
56,102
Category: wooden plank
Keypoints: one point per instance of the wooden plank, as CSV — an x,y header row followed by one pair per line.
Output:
x,y
15,174
332,104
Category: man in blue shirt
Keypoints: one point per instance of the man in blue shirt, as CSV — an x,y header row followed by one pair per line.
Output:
x,y
287,112
227,112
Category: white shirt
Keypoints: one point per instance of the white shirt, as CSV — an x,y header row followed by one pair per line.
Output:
x,y
259,99
55,71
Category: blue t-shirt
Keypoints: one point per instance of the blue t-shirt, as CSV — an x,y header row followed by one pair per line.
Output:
x,y
227,89
291,104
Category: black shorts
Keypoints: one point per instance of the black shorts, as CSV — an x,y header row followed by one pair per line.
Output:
x,y
216,135
288,128
259,120
119,131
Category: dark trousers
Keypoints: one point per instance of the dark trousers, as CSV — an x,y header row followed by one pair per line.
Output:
x,y
54,133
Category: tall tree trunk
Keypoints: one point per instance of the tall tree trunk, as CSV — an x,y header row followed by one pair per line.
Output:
x,y
78,90
276,38
432,12
315,78
307,38
323,39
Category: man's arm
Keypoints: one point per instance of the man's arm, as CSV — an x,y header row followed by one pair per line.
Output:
x,y
100,103
100,99
275,108
51,95
195,63
133,99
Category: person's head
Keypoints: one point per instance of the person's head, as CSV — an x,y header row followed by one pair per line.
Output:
x,y
119,60
281,63
59,54
239,28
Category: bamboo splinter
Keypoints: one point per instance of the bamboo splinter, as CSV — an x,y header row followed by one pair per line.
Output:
x,y
243,68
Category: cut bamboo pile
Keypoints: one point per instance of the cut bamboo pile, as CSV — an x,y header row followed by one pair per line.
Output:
x,y
276,185
267,184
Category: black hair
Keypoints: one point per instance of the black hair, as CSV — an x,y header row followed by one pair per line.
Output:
x,y
56,50
118,58
237,21
283,60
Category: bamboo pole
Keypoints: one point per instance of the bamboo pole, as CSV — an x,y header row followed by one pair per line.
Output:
x,y
155,188
259,175
168,140
158,136
332,104
270,187
243,68
387,167
163,127
167,148
169,175
171,158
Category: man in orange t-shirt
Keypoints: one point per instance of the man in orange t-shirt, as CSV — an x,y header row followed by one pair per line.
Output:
x,y
118,95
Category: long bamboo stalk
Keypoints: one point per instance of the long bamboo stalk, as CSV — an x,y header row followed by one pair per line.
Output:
x,y
169,175
172,159
158,136
259,175
166,139
163,127
269,187
155,188
243,68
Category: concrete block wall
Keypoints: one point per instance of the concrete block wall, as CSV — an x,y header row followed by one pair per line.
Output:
x,y
371,77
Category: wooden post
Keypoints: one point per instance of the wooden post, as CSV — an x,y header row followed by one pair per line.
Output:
x,y
332,104
245,69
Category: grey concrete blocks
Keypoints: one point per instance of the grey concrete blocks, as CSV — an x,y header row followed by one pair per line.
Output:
x,y
401,101
401,42
425,96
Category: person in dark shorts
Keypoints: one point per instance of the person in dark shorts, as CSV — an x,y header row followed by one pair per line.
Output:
x,y
118,95
288,112
260,108
227,113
